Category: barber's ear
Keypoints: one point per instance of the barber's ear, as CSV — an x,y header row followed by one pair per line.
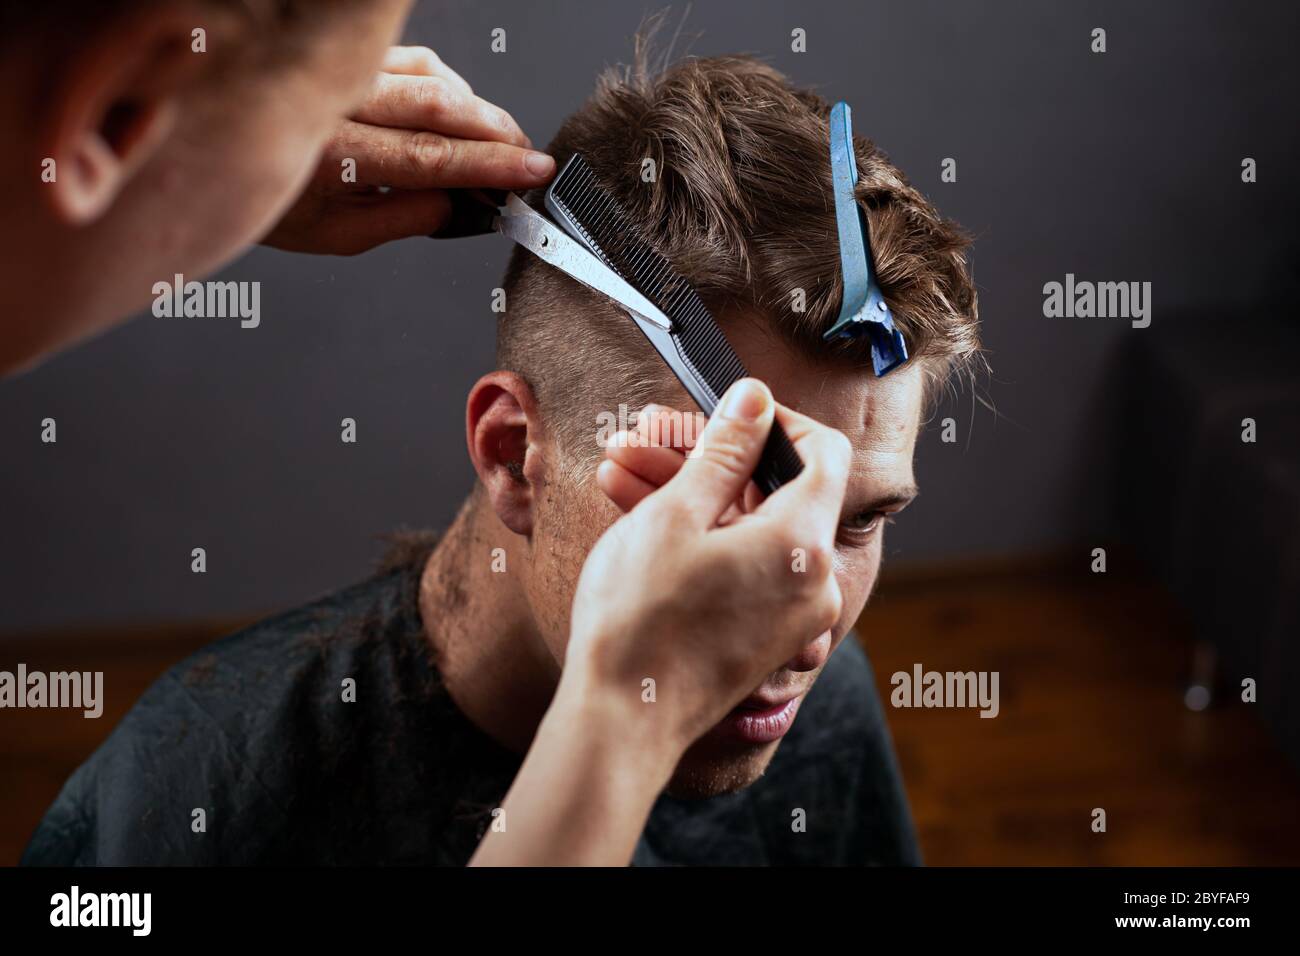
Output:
x,y
502,429
112,104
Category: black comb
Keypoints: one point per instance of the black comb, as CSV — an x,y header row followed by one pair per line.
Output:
x,y
705,363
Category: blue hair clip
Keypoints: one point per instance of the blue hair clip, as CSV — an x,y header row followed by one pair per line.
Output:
x,y
864,308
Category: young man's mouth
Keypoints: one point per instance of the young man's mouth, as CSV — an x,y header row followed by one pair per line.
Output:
x,y
760,719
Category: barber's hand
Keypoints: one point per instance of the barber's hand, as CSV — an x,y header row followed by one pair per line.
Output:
x,y
647,456
420,131
695,587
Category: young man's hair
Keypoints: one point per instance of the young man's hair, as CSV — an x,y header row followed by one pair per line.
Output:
x,y
741,204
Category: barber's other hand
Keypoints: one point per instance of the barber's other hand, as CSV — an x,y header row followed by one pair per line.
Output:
x,y
696,587
420,131
647,456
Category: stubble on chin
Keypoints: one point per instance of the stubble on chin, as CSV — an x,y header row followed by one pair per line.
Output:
x,y
703,773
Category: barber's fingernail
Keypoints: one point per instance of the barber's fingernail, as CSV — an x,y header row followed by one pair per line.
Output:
x,y
539,164
746,401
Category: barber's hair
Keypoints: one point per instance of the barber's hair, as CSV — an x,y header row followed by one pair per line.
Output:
x,y
282,23
742,205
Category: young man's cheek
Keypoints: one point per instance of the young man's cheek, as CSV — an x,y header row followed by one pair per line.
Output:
x,y
565,532
856,572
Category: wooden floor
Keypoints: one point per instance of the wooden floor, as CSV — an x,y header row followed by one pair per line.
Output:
x,y
1091,671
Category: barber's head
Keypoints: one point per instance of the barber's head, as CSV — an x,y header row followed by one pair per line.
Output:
x,y
726,168
152,137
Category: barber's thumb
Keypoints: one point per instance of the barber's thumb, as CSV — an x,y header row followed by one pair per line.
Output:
x,y
727,452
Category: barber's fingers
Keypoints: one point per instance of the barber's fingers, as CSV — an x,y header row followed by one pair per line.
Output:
x,y
655,465
719,467
623,478
419,159
656,448
661,425
799,520
670,428
376,219
623,487
436,104
421,61
814,500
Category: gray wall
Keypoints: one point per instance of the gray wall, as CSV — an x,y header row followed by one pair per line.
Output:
x,y
1123,166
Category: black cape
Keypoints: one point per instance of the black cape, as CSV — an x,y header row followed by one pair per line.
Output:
x,y
253,731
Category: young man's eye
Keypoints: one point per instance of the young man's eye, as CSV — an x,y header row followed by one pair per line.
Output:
x,y
860,527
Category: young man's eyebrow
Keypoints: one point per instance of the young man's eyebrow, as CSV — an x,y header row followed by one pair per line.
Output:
x,y
889,499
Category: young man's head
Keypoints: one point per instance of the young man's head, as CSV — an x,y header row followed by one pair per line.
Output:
x,y
146,138
726,166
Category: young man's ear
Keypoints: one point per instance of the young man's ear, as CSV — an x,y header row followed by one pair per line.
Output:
x,y
502,428
113,102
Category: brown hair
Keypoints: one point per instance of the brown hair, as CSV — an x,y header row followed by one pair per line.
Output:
x,y
743,208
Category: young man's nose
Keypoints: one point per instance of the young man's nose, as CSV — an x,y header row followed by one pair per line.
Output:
x,y
813,655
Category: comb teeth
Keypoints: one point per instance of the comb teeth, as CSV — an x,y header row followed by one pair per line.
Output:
x,y
608,232
612,236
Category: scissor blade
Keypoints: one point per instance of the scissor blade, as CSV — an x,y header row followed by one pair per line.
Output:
x,y
547,241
